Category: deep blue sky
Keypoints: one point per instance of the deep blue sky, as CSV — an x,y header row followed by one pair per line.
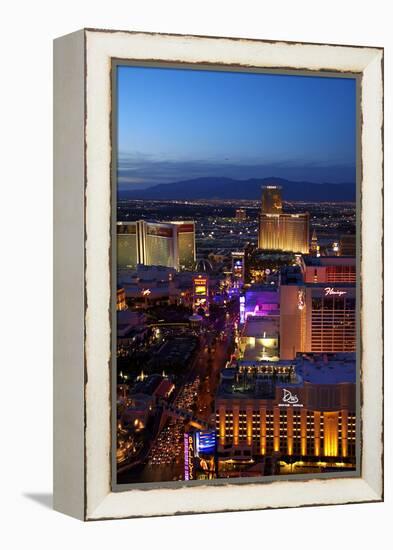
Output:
x,y
177,124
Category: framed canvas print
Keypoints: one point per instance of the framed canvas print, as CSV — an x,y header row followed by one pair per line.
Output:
x,y
218,274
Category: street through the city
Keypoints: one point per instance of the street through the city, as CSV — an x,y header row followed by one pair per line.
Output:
x,y
163,458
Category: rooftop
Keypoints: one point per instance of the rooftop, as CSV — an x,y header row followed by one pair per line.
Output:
x,y
260,326
259,288
259,379
147,386
327,368
323,261
291,275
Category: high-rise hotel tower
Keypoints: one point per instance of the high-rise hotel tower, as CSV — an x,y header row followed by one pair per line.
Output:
x,y
271,199
318,306
278,230
169,244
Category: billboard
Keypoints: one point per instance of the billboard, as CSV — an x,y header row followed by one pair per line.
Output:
x,y
205,442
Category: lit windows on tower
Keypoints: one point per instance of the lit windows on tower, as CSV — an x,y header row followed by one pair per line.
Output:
x,y
317,318
302,409
185,243
271,199
287,232
168,244
278,230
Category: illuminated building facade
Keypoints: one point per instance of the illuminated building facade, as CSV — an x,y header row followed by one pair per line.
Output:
x,y
121,299
157,244
271,199
169,244
186,244
201,295
330,319
318,308
297,410
127,245
292,319
287,232
329,269
278,230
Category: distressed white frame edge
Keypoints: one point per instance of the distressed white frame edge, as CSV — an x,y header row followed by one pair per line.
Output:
x,y
69,275
99,501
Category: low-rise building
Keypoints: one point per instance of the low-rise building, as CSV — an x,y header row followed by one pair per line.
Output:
x,y
259,339
300,410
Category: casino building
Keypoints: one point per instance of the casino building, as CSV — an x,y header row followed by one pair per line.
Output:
x,y
318,307
301,410
168,244
278,230
271,199
287,232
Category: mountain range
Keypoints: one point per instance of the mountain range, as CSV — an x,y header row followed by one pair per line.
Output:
x,y
227,188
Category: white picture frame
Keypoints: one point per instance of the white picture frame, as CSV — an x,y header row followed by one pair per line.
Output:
x,y
82,290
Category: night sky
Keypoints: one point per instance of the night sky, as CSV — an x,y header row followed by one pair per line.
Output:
x,y
178,124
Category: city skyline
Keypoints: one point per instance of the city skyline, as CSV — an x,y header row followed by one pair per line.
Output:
x,y
236,314
236,340
179,124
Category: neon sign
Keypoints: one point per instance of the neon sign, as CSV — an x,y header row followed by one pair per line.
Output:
x,y
330,291
188,457
289,399
242,308
200,289
205,442
186,464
